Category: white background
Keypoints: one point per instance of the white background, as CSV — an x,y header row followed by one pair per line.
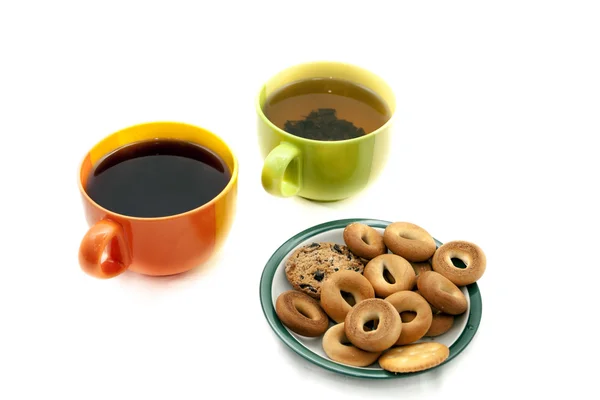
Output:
x,y
498,109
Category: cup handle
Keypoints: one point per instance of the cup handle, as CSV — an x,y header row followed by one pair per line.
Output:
x,y
104,233
282,171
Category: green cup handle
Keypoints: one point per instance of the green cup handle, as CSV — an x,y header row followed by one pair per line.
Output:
x,y
282,171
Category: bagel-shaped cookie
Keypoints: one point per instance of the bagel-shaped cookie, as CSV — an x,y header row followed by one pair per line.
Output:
x,y
339,287
337,347
416,328
364,241
440,323
409,241
386,330
301,313
441,293
469,253
389,273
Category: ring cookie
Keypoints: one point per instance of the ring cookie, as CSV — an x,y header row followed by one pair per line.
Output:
x,y
383,335
309,266
337,347
342,290
469,253
301,313
440,324
364,241
389,273
409,241
414,357
416,328
441,293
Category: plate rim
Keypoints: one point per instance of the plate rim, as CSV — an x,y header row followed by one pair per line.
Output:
x,y
268,308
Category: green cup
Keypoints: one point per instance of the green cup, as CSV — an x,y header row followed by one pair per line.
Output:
x,y
322,170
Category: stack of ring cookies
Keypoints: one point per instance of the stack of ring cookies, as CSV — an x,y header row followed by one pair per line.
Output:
x,y
374,298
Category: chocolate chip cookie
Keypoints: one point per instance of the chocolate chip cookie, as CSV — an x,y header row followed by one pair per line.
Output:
x,y
308,266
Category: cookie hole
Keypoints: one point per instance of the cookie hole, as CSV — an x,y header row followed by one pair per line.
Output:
x,y
407,235
348,297
387,276
344,340
303,311
407,316
448,289
371,325
458,263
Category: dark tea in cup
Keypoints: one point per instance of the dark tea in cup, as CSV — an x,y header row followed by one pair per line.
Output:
x,y
157,178
326,109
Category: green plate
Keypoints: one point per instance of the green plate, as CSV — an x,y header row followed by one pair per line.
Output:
x,y
273,282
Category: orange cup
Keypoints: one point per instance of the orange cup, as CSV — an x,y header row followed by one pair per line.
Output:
x,y
155,246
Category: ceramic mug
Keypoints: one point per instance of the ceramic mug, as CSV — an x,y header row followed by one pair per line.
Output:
x,y
155,246
322,170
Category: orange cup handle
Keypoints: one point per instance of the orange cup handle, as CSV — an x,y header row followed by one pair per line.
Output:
x,y
105,235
